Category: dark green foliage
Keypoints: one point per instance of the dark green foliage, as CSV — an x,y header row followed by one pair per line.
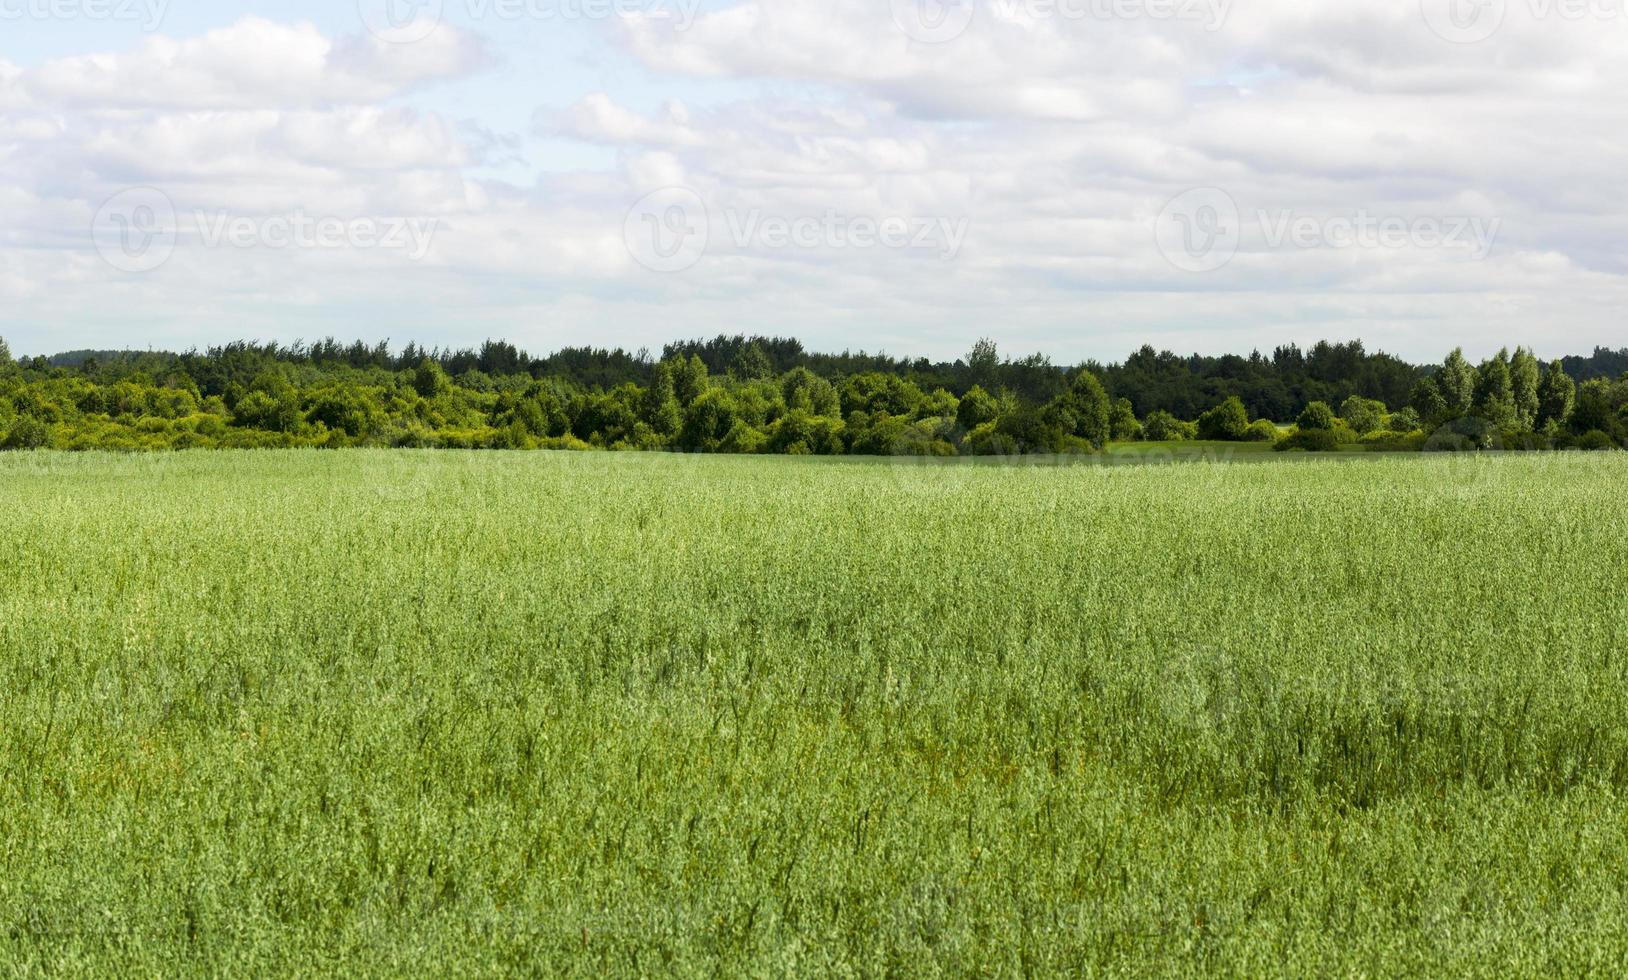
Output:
x,y
977,408
1470,433
1122,423
429,380
1161,426
1595,440
752,364
803,390
1227,422
732,394
1456,382
661,409
1083,411
1600,407
1316,416
1363,415
1525,379
1557,395
1428,403
1033,430
1495,393
27,433
1406,420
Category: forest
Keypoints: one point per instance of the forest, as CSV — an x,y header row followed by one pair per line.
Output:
x,y
750,395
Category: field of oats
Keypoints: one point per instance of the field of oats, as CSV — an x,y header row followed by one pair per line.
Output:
x,y
387,712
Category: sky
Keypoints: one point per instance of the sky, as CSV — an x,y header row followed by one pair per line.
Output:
x,y
1074,177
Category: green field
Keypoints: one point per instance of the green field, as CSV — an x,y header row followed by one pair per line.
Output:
x,y
382,712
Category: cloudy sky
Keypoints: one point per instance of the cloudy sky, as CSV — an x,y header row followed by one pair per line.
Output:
x,y
1071,176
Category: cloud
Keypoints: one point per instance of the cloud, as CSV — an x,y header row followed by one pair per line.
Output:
x,y
1056,140
253,64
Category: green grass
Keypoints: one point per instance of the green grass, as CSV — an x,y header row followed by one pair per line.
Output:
x,y
380,713
1187,451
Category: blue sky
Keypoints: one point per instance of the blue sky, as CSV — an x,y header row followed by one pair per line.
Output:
x,y
1071,176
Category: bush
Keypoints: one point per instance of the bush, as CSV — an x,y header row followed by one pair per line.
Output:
x,y
27,433
1464,435
1311,441
1161,426
1226,422
1122,423
743,440
1261,430
1394,442
1363,415
1317,415
1595,441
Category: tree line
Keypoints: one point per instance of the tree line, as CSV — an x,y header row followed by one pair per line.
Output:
x,y
770,395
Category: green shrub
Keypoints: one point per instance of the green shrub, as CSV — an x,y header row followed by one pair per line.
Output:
x,y
1387,441
1317,415
1464,435
1261,430
1122,422
1161,426
743,440
1595,441
1311,441
27,433
1226,422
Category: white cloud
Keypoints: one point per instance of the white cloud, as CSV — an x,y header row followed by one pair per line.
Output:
x,y
253,64
1055,139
